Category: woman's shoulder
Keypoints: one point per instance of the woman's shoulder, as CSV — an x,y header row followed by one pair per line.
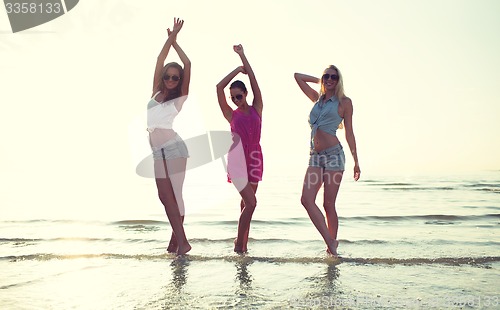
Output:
x,y
256,112
155,93
346,101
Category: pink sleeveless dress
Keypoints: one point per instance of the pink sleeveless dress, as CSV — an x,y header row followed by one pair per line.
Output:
x,y
245,158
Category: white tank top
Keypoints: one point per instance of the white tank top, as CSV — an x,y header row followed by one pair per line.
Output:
x,y
161,115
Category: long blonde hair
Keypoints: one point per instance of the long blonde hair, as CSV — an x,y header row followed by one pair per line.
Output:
x,y
339,88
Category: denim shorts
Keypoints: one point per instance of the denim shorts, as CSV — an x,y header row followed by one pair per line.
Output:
x,y
331,159
173,148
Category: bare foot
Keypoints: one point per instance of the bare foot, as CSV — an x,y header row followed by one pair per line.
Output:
x,y
181,250
172,246
333,249
239,248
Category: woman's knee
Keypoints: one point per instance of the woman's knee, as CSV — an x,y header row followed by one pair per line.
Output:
x,y
166,198
182,211
329,207
306,201
251,203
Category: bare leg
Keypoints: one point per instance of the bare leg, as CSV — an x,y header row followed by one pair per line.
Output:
x,y
312,183
242,206
241,249
237,169
172,245
167,197
177,172
331,180
249,204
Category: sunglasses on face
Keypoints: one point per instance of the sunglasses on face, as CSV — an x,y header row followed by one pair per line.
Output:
x,y
239,97
174,78
328,76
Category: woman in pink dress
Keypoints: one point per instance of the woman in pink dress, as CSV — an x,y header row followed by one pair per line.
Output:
x,y
245,162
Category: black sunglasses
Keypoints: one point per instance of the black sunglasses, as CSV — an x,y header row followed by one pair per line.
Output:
x,y
174,78
239,97
333,77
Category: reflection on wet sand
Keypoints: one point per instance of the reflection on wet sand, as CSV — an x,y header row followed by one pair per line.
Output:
x,y
174,294
242,274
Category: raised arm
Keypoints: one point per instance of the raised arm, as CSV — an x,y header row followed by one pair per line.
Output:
x,y
257,95
186,79
225,108
160,61
302,80
187,67
349,134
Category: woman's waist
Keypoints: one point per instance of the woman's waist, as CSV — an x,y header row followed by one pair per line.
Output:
x,y
161,136
323,140
333,149
247,144
154,127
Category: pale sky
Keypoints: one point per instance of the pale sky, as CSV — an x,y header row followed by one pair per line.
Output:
x,y
422,75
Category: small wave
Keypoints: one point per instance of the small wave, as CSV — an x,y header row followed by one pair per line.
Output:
x,y
262,241
439,222
481,185
454,261
496,208
365,241
284,222
403,186
490,190
139,222
428,217
83,239
34,221
221,223
485,187
391,183
25,242
420,188
231,240
141,228
18,240
368,181
292,221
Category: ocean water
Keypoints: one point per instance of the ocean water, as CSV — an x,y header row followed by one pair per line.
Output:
x,y
414,242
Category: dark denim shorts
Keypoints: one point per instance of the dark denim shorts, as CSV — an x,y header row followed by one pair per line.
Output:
x,y
332,158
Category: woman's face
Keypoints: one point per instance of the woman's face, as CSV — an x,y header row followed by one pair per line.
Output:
x,y
330,79
171,78
238,96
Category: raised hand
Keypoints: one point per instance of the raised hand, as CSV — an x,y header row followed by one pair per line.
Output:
x,y
238,49
178,23
242,70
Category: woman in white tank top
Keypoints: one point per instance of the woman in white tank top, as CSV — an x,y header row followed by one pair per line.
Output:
x,y
170,90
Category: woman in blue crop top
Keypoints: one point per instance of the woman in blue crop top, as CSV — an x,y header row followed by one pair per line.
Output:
x,y
170,90
327,159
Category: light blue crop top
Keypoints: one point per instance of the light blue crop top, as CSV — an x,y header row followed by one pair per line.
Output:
x,y
325,116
